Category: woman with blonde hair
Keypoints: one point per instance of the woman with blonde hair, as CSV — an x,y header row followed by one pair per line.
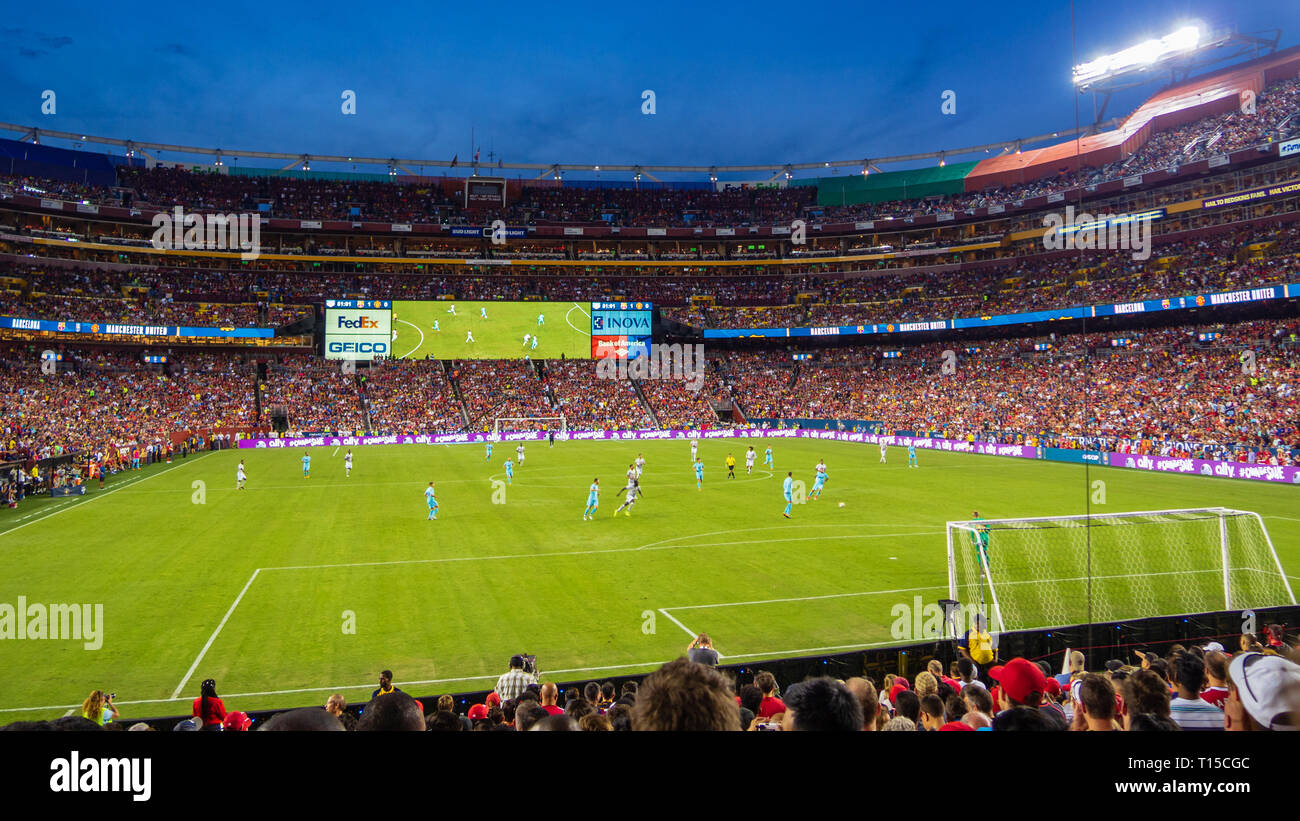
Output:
x,y
99,708
926,684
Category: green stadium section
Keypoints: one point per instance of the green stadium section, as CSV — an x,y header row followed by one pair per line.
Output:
x,y
891,185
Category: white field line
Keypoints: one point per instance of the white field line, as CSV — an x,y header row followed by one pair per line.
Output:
x,y
419,331
558,554
214,635
669,616
89,498
570,323
348,687
198,659
665,610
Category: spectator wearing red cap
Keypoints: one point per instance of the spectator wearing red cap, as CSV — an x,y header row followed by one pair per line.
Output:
x,y
237,721
1021,684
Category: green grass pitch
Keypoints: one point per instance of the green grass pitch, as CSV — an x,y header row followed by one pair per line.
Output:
x,y
567,330
255,588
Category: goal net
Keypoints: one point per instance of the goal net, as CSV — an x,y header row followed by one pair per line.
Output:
x,y
1054,571
549,423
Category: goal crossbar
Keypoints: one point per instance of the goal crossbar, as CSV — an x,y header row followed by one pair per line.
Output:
x,y
1238,553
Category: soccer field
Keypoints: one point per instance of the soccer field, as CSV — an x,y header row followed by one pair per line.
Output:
x,y
567,330
295,588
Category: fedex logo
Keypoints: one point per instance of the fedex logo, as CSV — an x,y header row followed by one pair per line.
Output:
x,y
359,323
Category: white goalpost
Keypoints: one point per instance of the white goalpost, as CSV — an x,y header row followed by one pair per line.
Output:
x,y
551,423
1053,571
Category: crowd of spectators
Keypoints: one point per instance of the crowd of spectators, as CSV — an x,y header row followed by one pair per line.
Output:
x,y
316,394
1191,688
110,402
1273,119
1163,392
493,388
590,402
407,396
1181,391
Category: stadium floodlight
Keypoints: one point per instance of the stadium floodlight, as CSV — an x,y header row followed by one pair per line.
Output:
x,y
1140,57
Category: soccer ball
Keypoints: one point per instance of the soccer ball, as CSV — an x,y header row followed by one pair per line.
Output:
x,y
841,504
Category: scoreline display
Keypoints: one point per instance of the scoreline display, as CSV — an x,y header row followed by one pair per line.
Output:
x,y
358,329
621,330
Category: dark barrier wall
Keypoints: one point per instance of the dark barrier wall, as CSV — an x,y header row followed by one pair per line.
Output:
x,y
1098,642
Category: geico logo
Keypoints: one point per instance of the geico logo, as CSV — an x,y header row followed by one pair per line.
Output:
x,y
360,322
358,347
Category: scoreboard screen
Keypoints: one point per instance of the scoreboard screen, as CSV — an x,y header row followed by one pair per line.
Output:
x,y
456,329
358,329
621,330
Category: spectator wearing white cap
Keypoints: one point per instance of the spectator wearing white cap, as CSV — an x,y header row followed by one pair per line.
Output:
x,y
1263,694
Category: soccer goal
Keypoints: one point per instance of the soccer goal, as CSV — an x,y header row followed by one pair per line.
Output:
x,y
1053,571
555,423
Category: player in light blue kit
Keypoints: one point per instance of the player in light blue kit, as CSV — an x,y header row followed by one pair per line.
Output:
x,y
767,457
489,451
482,312
787,487
510,472
433,502
541,320
534,345
699,475
911,456
435,326
819,481
306,465
593,501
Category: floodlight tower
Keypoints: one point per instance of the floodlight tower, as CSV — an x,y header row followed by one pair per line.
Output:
x,y
1186,49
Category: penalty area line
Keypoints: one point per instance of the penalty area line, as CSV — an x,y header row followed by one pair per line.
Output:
x,y
213,637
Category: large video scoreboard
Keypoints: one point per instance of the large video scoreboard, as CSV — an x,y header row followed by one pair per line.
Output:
x,y
455,329
358,329
621,330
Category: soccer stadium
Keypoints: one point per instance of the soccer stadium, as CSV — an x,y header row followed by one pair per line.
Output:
x,y
988,434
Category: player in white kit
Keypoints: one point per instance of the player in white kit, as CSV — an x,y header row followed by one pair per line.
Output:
x,y
240,476
750,456
883,449
519,452
640,465
347,464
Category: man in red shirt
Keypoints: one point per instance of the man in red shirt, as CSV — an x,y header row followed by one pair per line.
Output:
x,y
550,695
1216,671
770,705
